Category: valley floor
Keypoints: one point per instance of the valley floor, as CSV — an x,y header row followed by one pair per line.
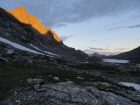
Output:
x,y
80,84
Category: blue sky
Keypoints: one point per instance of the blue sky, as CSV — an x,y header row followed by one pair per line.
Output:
x,y
104,26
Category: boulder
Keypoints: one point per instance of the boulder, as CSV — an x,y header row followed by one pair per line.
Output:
x,y
35,81
9,51
80,78
30,60
56,78
30,80
39,88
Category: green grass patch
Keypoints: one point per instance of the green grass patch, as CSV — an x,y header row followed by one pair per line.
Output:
x,y
93,67
17,74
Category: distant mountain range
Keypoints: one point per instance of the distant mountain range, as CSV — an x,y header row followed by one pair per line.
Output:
x,y
22,34
100,56
96,54
133,55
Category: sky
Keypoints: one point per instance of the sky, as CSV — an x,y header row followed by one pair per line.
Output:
x,y
104,26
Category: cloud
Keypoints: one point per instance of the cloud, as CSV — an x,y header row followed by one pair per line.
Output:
x,y
120,48
64,38
92,48
108,46
87,50
93,40
133,26
106,51
116,23
57,13
110,53
59,25
138,39
102,52
119,22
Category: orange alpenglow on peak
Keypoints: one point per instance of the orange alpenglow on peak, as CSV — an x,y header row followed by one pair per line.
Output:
x,y
21,14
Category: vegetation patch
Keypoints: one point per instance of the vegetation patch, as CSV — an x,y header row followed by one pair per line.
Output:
x,y
13,75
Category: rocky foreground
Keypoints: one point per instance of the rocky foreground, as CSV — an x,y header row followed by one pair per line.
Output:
x,y
87,84
68,93
99,91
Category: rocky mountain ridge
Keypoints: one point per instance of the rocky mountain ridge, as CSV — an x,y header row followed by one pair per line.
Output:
x,y
98,55
133,55
30,40
21,14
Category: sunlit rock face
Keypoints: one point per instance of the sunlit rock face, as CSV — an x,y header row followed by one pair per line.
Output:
x,y
21,14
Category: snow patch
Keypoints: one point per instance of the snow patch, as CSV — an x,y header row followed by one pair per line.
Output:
x,y
115,60
18,46
35,47
56,78
43,51
80,78
136,86
50,53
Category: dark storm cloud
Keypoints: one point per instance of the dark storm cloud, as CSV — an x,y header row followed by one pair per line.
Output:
x,y
133,26
64,38
56,13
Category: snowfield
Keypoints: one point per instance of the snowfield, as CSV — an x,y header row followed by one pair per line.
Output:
x,y
18,46
115,60
136,86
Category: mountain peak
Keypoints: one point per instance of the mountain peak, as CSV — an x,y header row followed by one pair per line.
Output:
x,y
97,53
22,15
20,8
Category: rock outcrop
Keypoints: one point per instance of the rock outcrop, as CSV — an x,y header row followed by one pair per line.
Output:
x,y
66,93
